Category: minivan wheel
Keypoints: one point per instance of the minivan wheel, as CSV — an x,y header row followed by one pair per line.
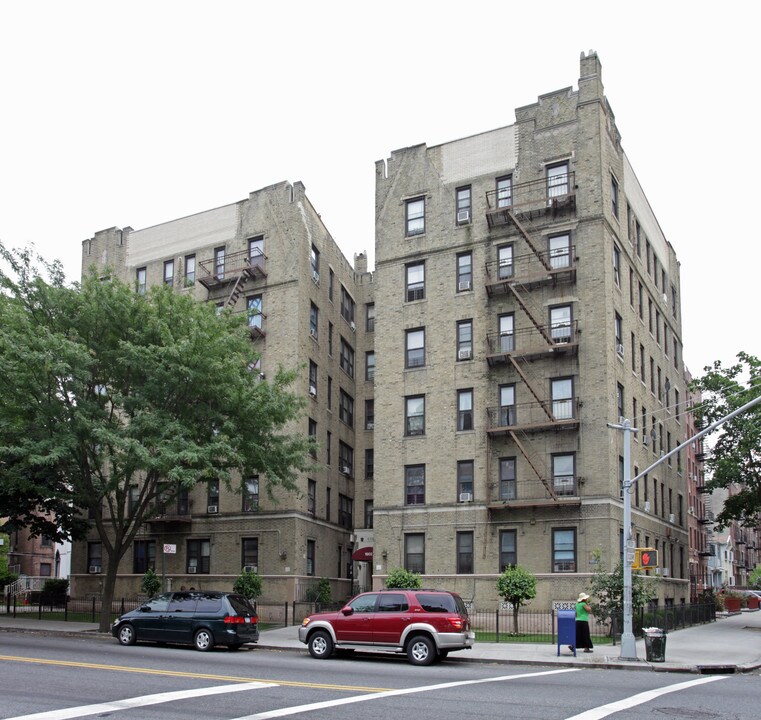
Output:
x,y
127,635
203,640
421,650
320,645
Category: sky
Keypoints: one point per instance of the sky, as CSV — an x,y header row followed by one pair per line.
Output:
x,y
135,113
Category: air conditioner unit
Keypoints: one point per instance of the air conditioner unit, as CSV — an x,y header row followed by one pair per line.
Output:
x,y
250,568
692,509
463,216
463,285
659,571
353,326
212,508
645,440
647,506
192,570
313,391
464,354
94,569
345,470
665,299
620,349
665,572
313,333
466,497
370,426
672,518
316,277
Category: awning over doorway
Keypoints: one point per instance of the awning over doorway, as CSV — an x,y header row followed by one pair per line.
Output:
x,y
362,554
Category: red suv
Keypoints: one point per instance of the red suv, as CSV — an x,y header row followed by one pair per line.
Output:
x,y
424,624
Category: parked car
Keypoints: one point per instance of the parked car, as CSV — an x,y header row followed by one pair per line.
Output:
x,y
425,624
201,619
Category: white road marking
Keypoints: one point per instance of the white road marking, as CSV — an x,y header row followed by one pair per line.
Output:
x,y
391,693
136,702
647,696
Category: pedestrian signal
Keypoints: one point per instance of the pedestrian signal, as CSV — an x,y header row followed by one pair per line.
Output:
x,y
645,559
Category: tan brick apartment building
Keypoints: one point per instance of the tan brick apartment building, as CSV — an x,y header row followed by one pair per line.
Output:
x,y
524,297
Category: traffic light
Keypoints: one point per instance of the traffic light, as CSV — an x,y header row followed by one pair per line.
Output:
x,y
645,559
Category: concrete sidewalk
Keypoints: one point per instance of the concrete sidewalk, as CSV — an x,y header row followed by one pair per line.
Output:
x,y
731,644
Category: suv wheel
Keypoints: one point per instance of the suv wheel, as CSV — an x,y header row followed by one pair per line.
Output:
x,y
127,635
203,640
320,645
421,650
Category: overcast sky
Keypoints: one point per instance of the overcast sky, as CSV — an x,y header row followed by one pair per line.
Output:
x,y
136,113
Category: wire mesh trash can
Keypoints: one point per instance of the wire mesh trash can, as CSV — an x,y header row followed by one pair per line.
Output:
x,y
655,644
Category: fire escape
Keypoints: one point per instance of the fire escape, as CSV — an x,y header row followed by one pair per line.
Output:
x,y
228,276
547,405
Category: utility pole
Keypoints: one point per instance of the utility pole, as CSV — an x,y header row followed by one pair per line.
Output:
x,y
628,645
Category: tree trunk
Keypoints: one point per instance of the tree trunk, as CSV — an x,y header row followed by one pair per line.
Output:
x,y
515,619
107,597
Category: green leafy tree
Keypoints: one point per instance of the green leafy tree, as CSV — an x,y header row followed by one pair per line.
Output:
x,y
517,586
754,579
607,592
320,593
735,457
248,584
151,583
404,579
114,402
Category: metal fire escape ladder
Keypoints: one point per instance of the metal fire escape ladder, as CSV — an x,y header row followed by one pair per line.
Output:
x,y
528,384
525,454
524,306
237,289
529,241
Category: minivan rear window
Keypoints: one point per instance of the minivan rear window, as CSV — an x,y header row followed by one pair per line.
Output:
x,y
241,605
209,604
436,603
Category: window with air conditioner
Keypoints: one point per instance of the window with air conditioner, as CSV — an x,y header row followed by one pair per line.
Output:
x,y
464,339
463,198
464,354
466,497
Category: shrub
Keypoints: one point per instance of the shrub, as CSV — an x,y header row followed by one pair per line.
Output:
x,y
320,593
404,579
248,584
55,587
151,583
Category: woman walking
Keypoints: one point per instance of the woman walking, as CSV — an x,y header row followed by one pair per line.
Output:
x,y
583,638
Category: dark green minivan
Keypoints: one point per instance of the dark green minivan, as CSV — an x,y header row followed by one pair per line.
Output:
x,y
199,618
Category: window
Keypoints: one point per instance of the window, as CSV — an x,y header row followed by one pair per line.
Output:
x,y
369,463
505,191
312,378
133,498
414,415
169,272
249,553
464,339
346,360
314,316
414,484
415,348
657,327
347,307
256,252
507,485
327,504
641,295
617,265
313,437
505,262
562,398
345,458
251,495
642,363
507,405
199,556
620,400
507,549
560,251
219,263
464,553
614,196
618,331
369,414
94,557
368,514
563,550
141,278
370,317
212,496
143,556
415,281
46,541
415,216
563,474
631,287
345,511
311,546
314,260
464,272
346,408
254,311
465,409
463,196
464,478
506,333
414,552
328,448
190,270
560,323
46,569
557,180
311,497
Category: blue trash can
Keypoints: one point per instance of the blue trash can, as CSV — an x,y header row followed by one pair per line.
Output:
x,y
567,629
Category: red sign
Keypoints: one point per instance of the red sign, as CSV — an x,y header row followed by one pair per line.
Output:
x,y
364,554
